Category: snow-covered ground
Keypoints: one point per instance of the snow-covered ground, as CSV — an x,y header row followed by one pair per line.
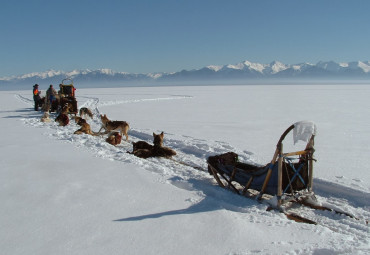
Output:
x,y
75,194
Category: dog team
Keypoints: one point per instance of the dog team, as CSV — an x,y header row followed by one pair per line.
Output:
x,y
115,130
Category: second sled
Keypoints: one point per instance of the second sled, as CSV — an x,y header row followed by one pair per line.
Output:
x,y
289,175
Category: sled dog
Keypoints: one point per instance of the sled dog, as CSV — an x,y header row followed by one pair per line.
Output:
x,y
114,138
45,117
142,149
159,149
115,125
86,111
85,129
141,145
66,108
62,119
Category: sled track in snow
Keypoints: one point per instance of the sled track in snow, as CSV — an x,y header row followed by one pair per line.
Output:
x,y
116,102
24,99
92,104
193,153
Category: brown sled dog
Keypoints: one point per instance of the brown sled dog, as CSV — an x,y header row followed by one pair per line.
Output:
x,y
62,119
144,150
157,141
66,108
85,111
85,128
115,125
114,138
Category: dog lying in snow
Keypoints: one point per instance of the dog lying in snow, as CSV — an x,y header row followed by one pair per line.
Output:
x,y
114,138
62,119
66,108
142,149
85,127
45,117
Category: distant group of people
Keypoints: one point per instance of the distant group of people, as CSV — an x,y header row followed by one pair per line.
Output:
x,y
51,95
49,98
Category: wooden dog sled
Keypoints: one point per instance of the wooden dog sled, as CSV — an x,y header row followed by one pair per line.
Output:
x,y
288,176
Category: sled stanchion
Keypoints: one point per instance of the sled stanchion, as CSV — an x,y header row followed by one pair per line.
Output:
x,y
214,172
310,174
269,172
310,163
247,185
230,184
233,175
280,176
277,152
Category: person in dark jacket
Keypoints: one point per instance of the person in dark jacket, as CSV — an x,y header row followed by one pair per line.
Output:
x,y
50,98
51,93
36,96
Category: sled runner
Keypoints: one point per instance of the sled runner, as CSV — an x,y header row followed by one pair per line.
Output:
x,y
288,176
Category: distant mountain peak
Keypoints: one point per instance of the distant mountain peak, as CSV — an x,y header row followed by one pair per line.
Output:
x,y
214,67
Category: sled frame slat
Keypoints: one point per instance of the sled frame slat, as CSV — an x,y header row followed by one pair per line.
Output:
x,y
215,172
247,185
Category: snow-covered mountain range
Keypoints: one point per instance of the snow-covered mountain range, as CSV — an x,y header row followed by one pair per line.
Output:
x,y
242,71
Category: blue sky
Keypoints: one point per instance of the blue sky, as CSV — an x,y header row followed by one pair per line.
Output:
x,y
171,35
